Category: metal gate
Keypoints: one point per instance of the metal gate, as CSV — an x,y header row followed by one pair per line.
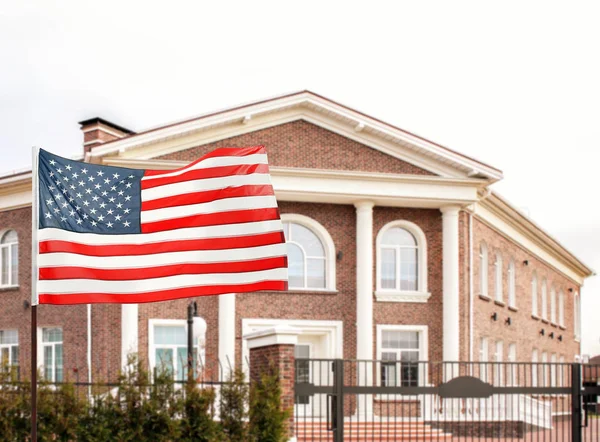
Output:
x,y
390,400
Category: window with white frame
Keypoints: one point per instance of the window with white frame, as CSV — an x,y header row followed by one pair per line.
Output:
x,y
562,370
512,369
400,350
577,316
311,254
9,348
544,300
483,269
553,367
512,295
498,277
534,295
499,369
169,348
52,350
535,368
544,369
552,305
483,359
401,258
9,259
561,308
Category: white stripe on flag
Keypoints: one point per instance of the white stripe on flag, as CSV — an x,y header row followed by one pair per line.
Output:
x,y
156,284
224,205
62,259
222,231
202,185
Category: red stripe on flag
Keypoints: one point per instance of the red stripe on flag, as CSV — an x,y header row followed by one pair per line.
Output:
x,y
233,242
212,219
164,295
56,273
221,152
207,196
211,172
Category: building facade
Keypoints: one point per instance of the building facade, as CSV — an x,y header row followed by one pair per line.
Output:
x,y
398,251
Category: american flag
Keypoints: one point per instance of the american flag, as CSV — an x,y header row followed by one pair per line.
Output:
x,y
118,235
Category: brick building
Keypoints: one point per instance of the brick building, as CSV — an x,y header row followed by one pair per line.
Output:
x,y
398,250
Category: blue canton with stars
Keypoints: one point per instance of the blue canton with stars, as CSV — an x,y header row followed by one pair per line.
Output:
x,y
88,198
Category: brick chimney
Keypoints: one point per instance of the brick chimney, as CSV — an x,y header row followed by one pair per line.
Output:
x,y
97,131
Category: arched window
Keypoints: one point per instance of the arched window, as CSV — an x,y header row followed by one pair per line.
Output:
x,y
483,269
498,277
311,254
402,262
561,308
9,259
552,305
534,295
544,299
512,296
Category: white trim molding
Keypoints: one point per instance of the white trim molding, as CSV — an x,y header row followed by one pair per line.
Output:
x,y
393,295
332,330
328,246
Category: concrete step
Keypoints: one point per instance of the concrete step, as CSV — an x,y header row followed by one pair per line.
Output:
x,y
372,431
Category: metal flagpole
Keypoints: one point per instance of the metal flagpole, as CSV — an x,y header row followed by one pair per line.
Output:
x,y
34,293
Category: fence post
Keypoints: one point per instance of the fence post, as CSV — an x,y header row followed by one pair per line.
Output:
x,y
338,412
576,386
272,350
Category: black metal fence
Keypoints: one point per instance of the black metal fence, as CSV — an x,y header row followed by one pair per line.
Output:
x,y
351,400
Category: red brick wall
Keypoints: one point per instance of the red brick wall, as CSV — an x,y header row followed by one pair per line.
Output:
x,y
430,313
340,222
524,329
13,314
302,144
279,360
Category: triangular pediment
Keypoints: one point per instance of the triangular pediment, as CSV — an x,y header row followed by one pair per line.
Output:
x,y
303,130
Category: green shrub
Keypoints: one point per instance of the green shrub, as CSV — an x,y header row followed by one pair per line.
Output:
x,y
233,406
197,423
268,422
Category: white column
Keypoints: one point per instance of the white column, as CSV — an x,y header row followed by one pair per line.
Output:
x,y
450,275
364,301
227,332
129,331
364,280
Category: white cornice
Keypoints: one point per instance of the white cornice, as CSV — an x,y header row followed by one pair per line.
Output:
x,y
497,213
307,101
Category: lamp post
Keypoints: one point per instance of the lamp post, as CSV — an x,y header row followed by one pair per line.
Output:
x,y
192,312
196,329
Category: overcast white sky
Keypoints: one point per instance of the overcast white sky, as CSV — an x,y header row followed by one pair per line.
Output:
x,y
517,85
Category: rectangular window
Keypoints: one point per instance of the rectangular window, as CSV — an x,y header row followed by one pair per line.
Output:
x,y
535,368
553,305
553,369
9,348
52,348
498,281
302,355
512,369
577,317
561,309
9,264
483,359
544,369
400,354
562,370
499,369
534,296
170,350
